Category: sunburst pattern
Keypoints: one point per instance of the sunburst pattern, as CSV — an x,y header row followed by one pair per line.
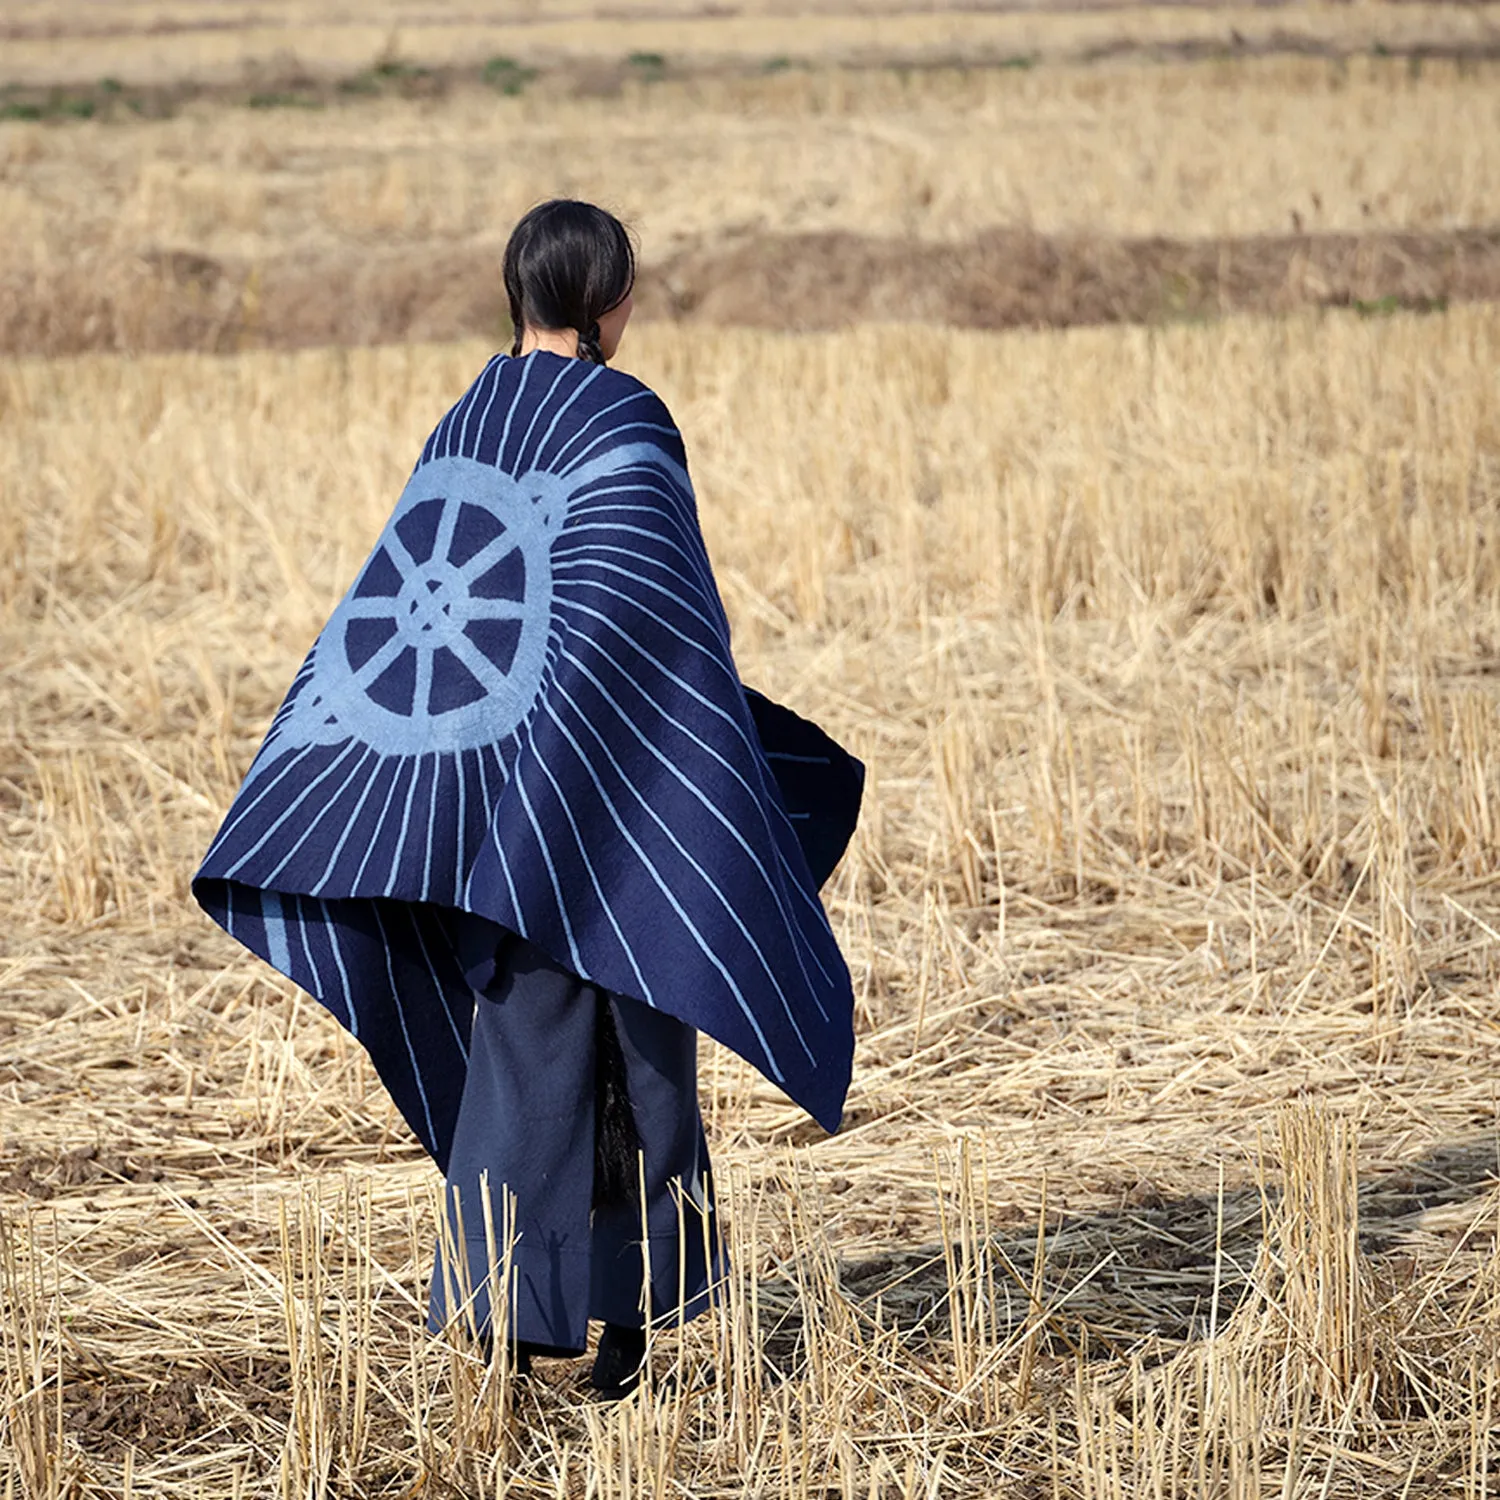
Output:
x,y
526,710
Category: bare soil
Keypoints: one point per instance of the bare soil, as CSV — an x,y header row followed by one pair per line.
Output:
x,y
1001,279
1011,278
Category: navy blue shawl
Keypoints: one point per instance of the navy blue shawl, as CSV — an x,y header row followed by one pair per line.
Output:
x,y
525,710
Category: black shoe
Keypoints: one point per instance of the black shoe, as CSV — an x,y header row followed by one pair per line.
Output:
x,y
618,1363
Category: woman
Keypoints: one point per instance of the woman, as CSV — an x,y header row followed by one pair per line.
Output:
x,y
521,828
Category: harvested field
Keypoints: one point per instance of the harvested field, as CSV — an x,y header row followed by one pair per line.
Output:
x,y
1174,658
977,197
1172,645
148,42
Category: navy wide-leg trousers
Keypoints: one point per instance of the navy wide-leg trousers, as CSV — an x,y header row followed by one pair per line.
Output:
x,y
527,1121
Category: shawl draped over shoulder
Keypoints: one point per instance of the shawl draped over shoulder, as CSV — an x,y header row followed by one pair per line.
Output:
x,y
525,710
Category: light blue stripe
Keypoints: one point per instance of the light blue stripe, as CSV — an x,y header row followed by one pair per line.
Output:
x,y
594,373
679,507
278,950
673,521
461,838
349,827
724,669
604,411
236,818
618,435
622,457
703,874
773,1068
489,556
316,987
546,852
438,761
583,853
695,558
336,948
442,545
712,657
536,411
400,849
393,543
586,551
572,565
484,421
683,540
466,404
492,370
778,895
444,427
379,828
758,798
437,983
287,811
764,800
416,1071
327,807
527,366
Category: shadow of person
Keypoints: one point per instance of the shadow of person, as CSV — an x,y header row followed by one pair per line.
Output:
x,y
1144,1277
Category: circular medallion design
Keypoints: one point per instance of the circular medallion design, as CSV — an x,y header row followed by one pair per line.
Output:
x,y
442,642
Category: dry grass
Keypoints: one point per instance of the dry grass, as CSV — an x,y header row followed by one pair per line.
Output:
x,y
799,198
1170,1166
47,42
1231,148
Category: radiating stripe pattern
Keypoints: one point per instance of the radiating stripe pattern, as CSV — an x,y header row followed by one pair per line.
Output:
x,y
525,709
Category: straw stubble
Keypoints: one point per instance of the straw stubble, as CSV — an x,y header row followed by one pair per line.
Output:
x,y
1169,1165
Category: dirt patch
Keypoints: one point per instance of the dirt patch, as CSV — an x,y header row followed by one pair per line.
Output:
x,y
43,1177
1009,279
109,1420
114,1413
1003,279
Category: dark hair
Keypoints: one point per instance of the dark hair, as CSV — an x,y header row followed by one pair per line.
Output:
x,y
567,264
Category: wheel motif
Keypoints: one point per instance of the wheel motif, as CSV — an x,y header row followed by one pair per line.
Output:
x,y
441,643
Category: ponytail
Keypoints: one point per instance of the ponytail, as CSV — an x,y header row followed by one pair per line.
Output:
x,y
567,264
588,345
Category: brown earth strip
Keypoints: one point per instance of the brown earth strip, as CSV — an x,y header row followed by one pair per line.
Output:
x,y
1010,279
1002,279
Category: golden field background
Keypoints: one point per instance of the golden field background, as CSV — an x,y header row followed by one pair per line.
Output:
x,y
321,199
931,155
67,41
1174,654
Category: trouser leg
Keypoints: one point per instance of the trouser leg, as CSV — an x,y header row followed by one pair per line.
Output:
x,y
680,1244
527,1121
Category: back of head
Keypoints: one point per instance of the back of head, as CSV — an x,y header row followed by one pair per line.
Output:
x,y
567,264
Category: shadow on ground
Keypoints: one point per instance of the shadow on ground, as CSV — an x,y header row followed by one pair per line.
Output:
x,y
1147,1271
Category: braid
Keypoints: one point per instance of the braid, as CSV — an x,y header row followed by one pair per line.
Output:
x,y
517,319
588,345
